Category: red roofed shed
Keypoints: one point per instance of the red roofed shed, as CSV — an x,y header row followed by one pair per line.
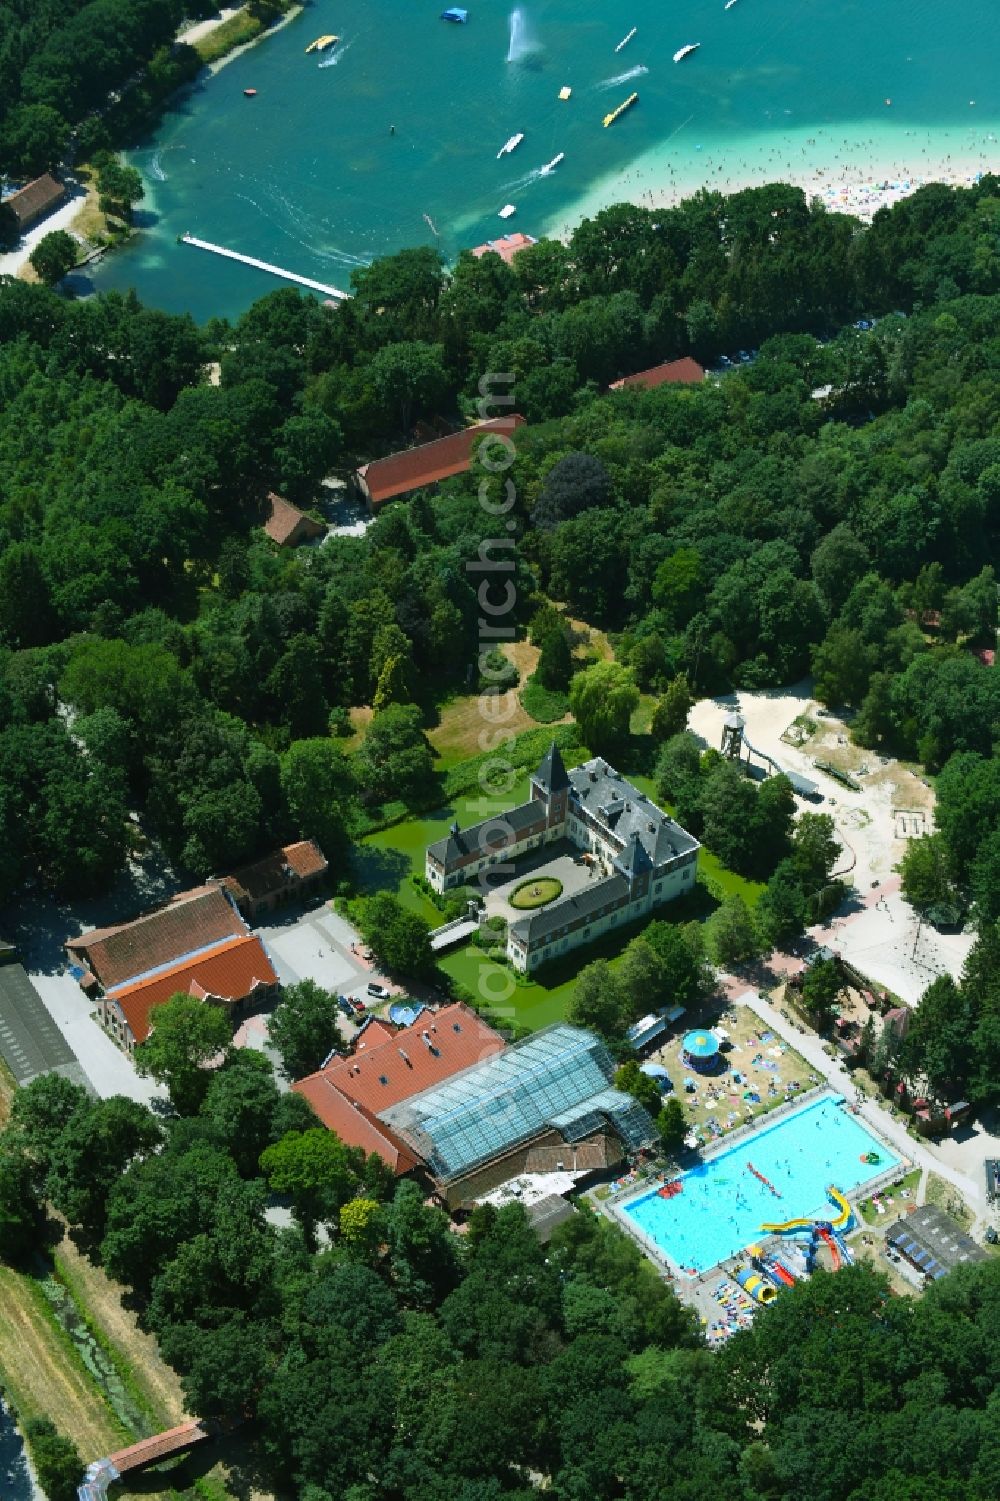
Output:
x,y
287,525
428,464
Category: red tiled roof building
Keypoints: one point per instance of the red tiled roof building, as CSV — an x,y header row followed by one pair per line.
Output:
x,y
388,1067
285,875
286,525
235,974
192,921
429,463
685,372
505,246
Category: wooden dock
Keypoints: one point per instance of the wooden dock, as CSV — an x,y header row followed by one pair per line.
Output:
x,y
250,260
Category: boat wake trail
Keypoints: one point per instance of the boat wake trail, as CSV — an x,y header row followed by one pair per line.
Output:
x,y
612,83
299,228
336,55
156,171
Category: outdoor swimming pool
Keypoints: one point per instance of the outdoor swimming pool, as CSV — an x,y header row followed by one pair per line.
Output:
x,y
722,1205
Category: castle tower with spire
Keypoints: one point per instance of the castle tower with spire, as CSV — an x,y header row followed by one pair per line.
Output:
x,y
550,784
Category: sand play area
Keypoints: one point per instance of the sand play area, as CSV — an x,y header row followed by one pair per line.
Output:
x,y
876,930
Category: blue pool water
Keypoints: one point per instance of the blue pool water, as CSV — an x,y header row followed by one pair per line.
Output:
x,y
723,1205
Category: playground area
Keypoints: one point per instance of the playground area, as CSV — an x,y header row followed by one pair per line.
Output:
x,y
754,1071
788,1179
877,804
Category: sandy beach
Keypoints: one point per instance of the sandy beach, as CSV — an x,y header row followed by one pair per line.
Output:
x,y
857,170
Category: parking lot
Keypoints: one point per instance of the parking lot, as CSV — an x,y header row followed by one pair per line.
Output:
x,y
319,945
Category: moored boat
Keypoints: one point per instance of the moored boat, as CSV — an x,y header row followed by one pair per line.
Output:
x,y
455,14
510,145
250,93
625,104
683,52
322,42
508,210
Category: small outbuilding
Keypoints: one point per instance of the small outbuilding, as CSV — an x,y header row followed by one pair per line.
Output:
x,y
701,1051
33,202
286,525
932,1242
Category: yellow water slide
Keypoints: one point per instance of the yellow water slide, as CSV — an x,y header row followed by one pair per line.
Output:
x,y
843,1218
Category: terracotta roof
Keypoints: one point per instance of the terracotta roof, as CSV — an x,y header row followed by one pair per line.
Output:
x,y
32,201
193,921
349,1093
401,473
230,972
506,247
284,519
353,1124
373,1033
303,860
684,372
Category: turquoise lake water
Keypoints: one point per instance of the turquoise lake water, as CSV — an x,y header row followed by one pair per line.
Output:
x,y
722,1205
308,176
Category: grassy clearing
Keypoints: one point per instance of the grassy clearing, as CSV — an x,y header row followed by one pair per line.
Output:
x,y
236,32
941,1193
910,1183
90,220
456,735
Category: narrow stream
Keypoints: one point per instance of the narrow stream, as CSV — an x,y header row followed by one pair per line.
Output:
x,y
16,1482
95,1359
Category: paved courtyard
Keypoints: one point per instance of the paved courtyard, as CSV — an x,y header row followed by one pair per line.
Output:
x,y
561,861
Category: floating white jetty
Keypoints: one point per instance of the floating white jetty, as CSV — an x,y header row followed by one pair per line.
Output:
x,y
250,260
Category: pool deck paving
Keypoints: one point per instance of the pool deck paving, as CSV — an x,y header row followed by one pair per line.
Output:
x,y
700,1291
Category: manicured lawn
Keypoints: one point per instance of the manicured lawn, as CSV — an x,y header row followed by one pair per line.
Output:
x,y
535,893
386,861
530,1003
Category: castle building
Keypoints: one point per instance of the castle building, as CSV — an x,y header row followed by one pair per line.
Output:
x,y
640,857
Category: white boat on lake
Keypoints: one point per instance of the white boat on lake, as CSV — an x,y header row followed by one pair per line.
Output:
x,y
553,164
508,210
510,145
683,52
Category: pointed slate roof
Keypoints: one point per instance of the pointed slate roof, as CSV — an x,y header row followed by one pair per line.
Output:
x,y
634,859
551,775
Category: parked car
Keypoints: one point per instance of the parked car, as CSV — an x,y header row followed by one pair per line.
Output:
x,y
344,1005
378,991
358,1006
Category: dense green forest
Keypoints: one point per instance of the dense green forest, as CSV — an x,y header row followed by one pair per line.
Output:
x,y
86,71
405,1363
161,656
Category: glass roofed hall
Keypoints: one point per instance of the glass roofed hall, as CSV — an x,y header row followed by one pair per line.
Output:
x,y
558,1079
